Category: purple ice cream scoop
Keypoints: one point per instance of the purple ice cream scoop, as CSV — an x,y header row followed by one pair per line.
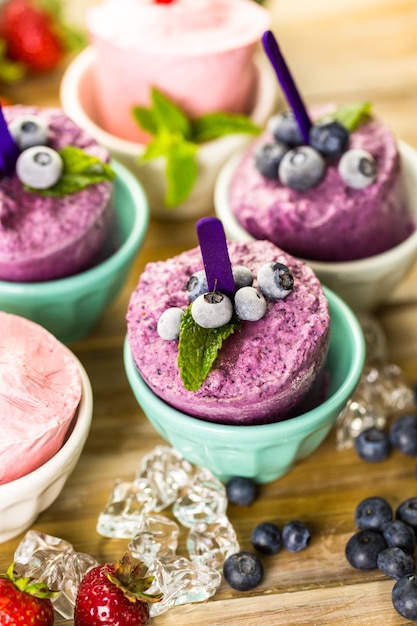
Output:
x,y
265,371
43,238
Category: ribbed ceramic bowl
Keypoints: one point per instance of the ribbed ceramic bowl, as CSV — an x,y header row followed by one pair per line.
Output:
x,y
262,452
77,99
70,307
364,284
23,499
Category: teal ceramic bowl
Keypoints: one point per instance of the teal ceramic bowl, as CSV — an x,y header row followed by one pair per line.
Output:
x,y
70,307
268,451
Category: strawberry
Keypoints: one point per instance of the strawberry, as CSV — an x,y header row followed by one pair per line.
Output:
x,y
114,593
30,35
23,602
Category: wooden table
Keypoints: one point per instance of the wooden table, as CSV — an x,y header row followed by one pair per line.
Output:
x,y
349,52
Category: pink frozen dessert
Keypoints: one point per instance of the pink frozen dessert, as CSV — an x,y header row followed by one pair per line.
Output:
x,y
56,205
200,53
40,390
340,198
271,363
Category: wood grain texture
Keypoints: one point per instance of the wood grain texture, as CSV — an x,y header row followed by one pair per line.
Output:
x,y
344,52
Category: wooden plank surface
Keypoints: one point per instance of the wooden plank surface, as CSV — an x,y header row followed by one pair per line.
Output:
x,y
345,51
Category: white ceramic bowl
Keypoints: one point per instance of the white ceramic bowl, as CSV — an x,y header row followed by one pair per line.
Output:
x,y
77,100
364,284
22,500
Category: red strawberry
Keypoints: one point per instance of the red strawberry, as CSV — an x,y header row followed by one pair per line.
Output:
x,y
114,593
23,602
30,35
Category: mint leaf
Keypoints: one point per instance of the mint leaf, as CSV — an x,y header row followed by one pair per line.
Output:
x,y
160,146
198,348
80,171
214,125
145,118
168,115
181,171
353,115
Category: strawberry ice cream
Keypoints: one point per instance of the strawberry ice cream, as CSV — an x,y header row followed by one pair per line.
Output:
x,y
40,390
200,53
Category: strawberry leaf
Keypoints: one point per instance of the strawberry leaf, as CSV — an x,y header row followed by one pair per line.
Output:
x,y
198,349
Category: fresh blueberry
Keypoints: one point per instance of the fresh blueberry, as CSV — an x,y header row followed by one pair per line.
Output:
x,y
301,168
403,434
28,131
398,534
39,167
284,127
241,490
196,285
395,563
357,168
169,323
267,158
250,304
242,276
373,513
275,280
243,571
266,538
295,536
212,310
404,597
373,445
407,512
363,548
330,138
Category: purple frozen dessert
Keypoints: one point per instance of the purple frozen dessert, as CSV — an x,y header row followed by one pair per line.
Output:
x,y
266,370
44,237
331,220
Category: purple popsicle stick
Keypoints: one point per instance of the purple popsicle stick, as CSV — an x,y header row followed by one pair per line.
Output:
x,y
9,150
287,83
217,265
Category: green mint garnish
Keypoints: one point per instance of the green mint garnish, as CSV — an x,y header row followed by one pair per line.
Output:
x,y
353,115
176,138
80,171
198,348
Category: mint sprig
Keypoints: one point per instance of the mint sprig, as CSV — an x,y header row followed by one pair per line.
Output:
x,y
176,137
198,348
351,116
80,170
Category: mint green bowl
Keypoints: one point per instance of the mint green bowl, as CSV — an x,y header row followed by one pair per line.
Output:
x,y
263,452
70,307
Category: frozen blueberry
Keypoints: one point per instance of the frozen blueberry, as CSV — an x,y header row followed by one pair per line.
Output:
x,y
407,512
266,538
250,304
28,131
398,534
373,445
267,158
196,285
404,597
363,548
241,490
275,280
403,434
39,167
301,168
373,513
243,571
295,536
284,127
330,138
395,563
212,310
357,168
169,323
242,276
